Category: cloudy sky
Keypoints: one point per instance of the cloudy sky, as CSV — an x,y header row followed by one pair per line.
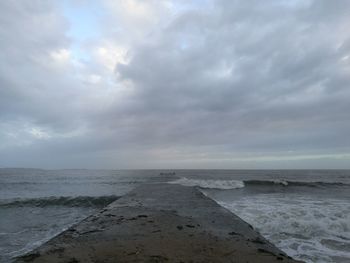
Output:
x,y
175,84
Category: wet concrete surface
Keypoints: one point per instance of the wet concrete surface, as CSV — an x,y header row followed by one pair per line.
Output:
x,y
160,223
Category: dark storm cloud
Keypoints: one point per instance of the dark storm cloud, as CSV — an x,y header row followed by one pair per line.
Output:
x,y
246,72
234,79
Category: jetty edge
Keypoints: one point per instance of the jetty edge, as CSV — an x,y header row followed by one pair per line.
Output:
x,y
159,223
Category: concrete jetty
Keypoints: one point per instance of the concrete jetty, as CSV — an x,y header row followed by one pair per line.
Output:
x,y
159,223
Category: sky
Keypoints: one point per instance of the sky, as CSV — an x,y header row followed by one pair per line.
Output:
x,y
137,84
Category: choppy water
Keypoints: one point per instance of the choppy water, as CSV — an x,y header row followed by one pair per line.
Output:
x,y
305,213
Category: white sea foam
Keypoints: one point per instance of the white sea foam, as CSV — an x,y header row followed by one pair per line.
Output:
x,y
306,228
216,184
281,182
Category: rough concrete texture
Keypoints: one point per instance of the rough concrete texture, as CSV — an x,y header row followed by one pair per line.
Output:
x,y
160,223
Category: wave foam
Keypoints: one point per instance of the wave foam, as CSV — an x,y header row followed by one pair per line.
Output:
x,y
216,184
282,182
308,229
233,184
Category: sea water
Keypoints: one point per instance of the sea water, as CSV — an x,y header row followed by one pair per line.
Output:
x,y
305,213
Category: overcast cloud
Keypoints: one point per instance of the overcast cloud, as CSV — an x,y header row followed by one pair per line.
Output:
x,y
175,84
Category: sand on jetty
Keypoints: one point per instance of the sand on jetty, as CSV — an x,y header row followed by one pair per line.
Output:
x,y
160,223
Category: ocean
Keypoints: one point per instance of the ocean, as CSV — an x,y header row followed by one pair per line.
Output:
x,y
306,213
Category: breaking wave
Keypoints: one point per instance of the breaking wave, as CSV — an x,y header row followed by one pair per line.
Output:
x,y
217,184
79,201
291,183
234,184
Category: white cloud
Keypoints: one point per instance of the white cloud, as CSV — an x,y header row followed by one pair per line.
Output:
x,y
61,56
109,55
39,133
